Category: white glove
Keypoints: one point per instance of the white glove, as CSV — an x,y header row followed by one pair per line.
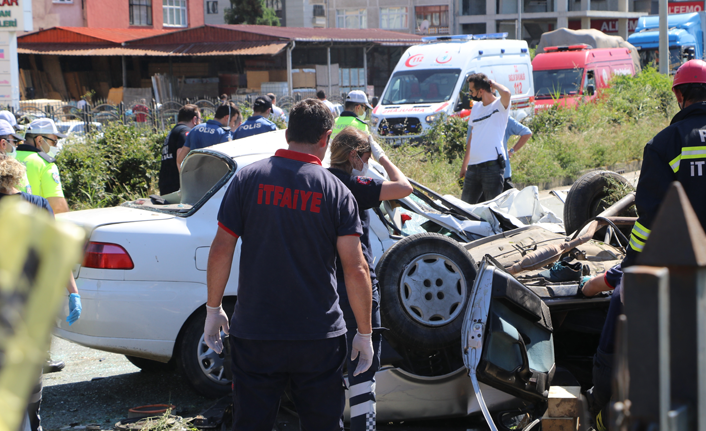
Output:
x,y
363,344
216,319
375,148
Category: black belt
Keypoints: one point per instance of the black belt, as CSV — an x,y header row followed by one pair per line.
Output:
x,y
487,164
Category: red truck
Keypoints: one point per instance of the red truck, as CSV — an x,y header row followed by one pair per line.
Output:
x,y
569,74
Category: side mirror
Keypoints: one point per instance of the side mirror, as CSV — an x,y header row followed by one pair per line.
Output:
x,y
464,102
689,53
590,89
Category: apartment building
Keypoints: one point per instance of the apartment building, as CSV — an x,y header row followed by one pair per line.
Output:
x,y
148,14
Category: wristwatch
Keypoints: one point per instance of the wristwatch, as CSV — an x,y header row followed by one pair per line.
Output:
x,y
511,151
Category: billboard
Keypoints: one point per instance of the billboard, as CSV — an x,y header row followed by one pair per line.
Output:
x,y
685,7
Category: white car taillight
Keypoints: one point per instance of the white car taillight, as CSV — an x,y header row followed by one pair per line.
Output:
x,y
106,256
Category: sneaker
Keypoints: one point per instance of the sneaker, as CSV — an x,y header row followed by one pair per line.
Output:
x,y
53,366
563,271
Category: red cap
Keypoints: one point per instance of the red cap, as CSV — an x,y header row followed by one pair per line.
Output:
x,y
691,72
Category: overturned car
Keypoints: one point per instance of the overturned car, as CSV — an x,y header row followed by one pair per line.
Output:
x,y
143,285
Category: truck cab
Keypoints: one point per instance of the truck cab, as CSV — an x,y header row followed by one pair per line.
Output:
x,y
686,39
569,74
429,82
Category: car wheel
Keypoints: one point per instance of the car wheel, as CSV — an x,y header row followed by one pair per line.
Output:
x,y
207,372
586,198
425,283
150,366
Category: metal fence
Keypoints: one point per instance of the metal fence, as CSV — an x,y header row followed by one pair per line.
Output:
x,y
149,115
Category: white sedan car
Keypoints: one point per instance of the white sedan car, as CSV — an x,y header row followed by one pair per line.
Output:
x,y
143,282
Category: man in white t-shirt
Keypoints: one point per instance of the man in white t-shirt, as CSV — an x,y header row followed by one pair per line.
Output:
x,y
484,163
321,95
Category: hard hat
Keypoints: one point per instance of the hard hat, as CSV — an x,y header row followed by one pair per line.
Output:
x,y
691,72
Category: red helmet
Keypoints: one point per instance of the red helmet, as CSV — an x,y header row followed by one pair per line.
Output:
x,y
691,72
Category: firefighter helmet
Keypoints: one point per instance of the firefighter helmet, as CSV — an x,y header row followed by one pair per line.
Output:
x,y
691,72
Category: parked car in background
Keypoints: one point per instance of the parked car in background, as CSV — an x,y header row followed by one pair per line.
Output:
x,y
143,283
78,128
565,75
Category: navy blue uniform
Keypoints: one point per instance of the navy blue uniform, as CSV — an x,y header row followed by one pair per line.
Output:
x,y
34,200
362,387
287,325
677,153
254,125
205,135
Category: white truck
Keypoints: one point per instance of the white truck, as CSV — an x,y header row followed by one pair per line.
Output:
x,y
429,82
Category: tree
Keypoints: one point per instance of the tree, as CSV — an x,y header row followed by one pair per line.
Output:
x,y
251,12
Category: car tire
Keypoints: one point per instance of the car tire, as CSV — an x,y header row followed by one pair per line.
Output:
x,y
150,366
207,373
425,285
586,198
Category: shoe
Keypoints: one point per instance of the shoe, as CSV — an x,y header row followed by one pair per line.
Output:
x,y
53,366
562,271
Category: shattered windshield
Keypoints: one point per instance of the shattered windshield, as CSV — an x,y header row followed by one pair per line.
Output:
x,y
557,82
421,86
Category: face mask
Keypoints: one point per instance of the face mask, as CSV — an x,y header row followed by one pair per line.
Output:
x,y
53,151
12,151
361,117
363,172
476,99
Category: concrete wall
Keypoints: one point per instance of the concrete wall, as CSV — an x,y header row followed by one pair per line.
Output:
x,y
46,14
215,18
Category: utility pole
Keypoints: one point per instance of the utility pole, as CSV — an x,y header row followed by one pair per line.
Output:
x,y
663,38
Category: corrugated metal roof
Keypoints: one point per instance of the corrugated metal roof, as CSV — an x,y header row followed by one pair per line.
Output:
x,y
88,35
226,32
187,50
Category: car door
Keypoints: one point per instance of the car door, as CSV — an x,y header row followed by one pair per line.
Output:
x,y
507,337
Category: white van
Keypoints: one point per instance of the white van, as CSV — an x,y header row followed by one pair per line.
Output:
x,y
430,81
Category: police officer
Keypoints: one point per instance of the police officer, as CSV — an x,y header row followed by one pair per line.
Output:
x,y
213,132
296,221
675,154
257,123
37,154
8,145
188,117
354,111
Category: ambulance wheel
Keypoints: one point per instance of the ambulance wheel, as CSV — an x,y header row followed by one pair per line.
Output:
x,y
425,284
586,198
207,372
150,366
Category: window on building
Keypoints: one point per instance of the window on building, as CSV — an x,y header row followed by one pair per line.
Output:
x,y
140,12
432,19
174,12
212,7
471,7
478,28
351,18
394,18
319,10
276,5
62,1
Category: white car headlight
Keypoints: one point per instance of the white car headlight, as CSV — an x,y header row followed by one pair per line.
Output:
x,y
430,118
374,120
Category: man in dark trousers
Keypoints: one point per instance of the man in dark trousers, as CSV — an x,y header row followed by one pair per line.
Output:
x,y
677,153
188,118
297,222
258,122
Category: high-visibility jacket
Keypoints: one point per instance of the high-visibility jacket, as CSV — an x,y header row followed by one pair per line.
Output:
x,y
346,119
42,172
677,153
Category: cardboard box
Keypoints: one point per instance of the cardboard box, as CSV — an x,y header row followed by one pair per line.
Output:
x,y
278,76
257,77
303,78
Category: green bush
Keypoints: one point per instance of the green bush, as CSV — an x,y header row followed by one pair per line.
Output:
x,y
121,165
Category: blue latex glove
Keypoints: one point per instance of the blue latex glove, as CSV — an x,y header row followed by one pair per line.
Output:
x,y
74,308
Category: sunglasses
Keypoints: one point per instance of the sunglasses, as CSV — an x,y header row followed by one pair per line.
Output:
x,y
50,139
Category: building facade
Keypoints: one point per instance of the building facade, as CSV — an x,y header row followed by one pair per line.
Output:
x,y
147,14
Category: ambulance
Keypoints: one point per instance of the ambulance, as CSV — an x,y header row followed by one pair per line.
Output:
x,y
429,82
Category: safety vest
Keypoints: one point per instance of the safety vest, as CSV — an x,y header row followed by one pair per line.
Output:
x,y
346,119
42,172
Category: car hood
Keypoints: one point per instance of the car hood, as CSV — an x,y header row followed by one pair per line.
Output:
x,y
91,219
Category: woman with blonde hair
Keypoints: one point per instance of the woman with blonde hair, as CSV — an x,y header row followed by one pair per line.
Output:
x,y
350,151
11,174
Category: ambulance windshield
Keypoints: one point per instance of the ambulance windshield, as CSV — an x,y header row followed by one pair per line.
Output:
x,y
421,86
557,82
